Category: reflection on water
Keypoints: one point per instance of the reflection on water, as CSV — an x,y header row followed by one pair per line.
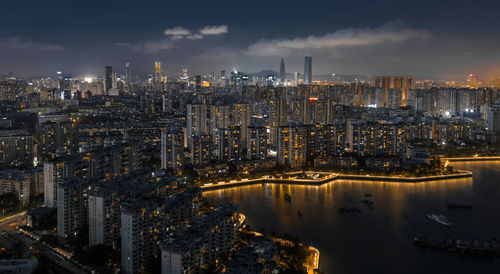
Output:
x,y
378,239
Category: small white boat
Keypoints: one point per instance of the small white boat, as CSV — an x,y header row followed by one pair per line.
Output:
x,y
440,219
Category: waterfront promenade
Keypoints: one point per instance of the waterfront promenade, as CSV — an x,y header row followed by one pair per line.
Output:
x,y
471,158
326,177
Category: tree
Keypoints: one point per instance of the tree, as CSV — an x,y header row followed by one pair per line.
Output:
x,y
9,202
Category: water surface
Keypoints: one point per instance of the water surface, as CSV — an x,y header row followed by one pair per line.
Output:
x,y
379,240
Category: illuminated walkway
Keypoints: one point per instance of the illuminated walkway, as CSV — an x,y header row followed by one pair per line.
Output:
x,y
330,177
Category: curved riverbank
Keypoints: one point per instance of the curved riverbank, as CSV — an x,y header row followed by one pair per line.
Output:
x,y
350,243
330,177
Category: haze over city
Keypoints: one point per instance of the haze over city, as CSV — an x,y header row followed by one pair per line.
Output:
x,y
436,40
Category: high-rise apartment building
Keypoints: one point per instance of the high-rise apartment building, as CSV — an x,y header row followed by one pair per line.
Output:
x,y
56,170
16,149
172,149
72,207
220,117
196,120
229,147
291,147
201,149
257,138
241,117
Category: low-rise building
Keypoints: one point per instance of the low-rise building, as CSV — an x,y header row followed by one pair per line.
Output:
x,y
41,217
382,163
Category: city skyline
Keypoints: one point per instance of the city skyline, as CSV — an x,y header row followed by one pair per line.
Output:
x,y
426,43
249,137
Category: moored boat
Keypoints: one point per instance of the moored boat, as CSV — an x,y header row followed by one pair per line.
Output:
x,y
440,219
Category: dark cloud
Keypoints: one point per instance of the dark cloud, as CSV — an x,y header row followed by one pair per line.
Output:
x,y
20,43
439,38
391,32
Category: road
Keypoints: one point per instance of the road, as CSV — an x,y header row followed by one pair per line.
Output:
x,y
43,250
9,224
12,221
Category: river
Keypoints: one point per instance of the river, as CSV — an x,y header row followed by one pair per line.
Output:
x,y
380,240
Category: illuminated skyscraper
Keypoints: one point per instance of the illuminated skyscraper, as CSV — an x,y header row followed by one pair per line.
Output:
x,y
229,146
108,79
256,143
157,71
382,83
472,82
408,87
307,70
158,77
297,78
201,149
185,76
282,71
398,82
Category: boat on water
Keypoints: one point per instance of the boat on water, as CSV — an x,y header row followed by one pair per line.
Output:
x,y
349,209
459,206
367,202
288,198
368,195
440,219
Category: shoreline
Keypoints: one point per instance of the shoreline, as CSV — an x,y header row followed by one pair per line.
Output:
x,y
331,177
314,251
471,159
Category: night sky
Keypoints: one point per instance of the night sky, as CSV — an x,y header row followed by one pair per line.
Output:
x,y
439,39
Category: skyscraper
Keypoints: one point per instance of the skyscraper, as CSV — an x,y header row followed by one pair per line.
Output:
x,y
108,79
128,77
157,71
398,83
158,77
382,83
407,88
307,70
282,71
